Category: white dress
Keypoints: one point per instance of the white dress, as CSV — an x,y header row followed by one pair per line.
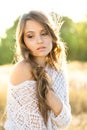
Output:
x,y
22,110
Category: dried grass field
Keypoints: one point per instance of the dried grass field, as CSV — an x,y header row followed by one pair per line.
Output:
x,y
77,75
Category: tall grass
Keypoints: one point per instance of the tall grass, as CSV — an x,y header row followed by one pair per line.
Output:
x,y
78,100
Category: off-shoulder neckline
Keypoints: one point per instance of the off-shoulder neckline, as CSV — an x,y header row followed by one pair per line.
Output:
x,y
24,83
21,84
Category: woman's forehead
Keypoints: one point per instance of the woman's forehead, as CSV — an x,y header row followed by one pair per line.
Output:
x,y
32,25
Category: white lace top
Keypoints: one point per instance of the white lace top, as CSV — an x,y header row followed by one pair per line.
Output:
x,y
22,110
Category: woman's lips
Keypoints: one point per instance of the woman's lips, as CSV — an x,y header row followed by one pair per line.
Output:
x,y
41,48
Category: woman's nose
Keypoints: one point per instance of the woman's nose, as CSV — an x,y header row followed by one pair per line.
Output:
x,y
39,39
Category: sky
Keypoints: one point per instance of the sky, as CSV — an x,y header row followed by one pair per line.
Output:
x,y
11,9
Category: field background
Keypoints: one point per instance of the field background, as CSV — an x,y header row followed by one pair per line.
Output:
x,y
77,75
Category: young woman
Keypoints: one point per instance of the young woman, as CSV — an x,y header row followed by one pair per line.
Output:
x,y
38,90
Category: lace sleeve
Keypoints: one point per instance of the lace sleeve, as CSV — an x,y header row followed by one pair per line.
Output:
x,y
22,109
60,87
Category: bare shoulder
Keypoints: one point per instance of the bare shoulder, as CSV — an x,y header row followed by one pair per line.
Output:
x,y
21,72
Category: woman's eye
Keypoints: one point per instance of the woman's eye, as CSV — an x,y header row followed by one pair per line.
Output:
x,y
45,33
30,36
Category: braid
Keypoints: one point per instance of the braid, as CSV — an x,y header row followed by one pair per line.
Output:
x,y
43,84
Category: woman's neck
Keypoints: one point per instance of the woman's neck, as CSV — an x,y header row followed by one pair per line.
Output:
x,y
41,61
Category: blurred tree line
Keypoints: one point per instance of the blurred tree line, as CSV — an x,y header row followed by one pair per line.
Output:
x,y
7,45
73,34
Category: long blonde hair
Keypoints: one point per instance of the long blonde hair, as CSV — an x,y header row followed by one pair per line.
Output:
x,y
53,58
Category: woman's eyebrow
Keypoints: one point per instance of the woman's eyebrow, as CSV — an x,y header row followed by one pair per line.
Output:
x,y
27,32
32,31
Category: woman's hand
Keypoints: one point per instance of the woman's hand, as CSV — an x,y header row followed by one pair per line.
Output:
x,y
54,102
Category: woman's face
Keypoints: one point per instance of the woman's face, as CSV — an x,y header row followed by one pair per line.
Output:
x,y
37,39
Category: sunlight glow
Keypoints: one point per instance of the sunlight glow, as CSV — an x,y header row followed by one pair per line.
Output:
x,y
10,10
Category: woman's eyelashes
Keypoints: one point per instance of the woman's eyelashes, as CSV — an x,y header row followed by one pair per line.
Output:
x,y
30,36
45,33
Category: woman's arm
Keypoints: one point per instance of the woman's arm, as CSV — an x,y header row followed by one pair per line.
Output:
x,y
58,100
54,102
